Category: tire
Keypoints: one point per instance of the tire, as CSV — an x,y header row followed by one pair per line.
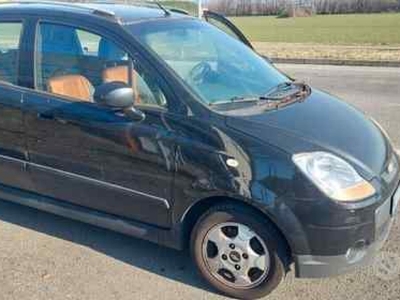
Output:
x,y
208,258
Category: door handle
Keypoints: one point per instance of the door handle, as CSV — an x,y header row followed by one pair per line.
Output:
x,y
50,117
45,116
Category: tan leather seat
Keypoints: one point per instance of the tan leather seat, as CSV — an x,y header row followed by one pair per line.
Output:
x,y
74,86
120,73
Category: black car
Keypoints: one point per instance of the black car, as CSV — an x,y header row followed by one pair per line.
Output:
x,y
159,125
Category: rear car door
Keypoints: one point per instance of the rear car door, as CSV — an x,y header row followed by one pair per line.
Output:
x,y
13,154
89,155
227,26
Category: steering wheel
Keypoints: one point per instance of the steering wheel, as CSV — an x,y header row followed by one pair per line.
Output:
x,y
200,72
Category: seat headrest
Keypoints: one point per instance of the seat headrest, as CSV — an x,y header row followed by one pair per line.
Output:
x,y
60,39
109,51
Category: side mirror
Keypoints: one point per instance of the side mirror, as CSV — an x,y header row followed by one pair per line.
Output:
x,y
118,96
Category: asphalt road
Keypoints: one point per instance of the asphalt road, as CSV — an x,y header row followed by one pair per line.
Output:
x,y
48,257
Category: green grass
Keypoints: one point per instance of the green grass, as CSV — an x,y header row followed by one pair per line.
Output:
x,y
375,29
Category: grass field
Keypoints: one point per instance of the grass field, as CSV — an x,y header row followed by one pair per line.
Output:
x,y
352,37
373,29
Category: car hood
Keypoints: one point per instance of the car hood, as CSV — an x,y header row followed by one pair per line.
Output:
x,y
319,123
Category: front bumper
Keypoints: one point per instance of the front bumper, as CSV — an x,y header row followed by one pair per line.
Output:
x,y
361,254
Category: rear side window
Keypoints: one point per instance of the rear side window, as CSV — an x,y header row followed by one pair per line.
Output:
x,y
10,34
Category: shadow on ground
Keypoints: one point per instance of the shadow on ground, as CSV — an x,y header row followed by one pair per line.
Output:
x,y
162,261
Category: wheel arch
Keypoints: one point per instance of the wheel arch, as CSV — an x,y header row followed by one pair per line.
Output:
x,y
193,213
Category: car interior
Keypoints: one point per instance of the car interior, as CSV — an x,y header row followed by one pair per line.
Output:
x,y
65,65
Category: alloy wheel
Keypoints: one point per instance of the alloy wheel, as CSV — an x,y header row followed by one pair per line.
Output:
x,y
235,255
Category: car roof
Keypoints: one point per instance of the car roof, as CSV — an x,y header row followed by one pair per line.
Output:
x,y
121,13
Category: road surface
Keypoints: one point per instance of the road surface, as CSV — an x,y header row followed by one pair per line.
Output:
x,y
48,257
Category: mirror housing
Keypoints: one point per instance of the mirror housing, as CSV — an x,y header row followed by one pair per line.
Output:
x,y
118,96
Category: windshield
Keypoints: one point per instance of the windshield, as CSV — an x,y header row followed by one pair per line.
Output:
x,y
215,65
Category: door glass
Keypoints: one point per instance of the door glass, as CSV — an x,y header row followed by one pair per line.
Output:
x,y
71,62
90,42
10,34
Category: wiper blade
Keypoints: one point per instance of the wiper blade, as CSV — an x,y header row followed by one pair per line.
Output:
x,y
276,97
288,90
237,100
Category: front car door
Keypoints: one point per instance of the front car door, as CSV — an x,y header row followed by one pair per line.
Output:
x,y
93,156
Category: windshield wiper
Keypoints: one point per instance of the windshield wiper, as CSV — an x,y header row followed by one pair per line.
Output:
x,y
280,95
239,100
288,90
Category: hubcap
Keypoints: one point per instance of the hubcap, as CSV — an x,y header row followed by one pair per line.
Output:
x,y
235,255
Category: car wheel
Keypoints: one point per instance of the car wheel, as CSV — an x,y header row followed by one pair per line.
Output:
x,y
238,251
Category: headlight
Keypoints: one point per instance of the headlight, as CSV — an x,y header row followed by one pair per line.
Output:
x,y
334,176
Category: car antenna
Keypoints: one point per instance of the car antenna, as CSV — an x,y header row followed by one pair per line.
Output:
x,y
162,7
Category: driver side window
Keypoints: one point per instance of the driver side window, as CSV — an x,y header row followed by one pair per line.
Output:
x,y
72,63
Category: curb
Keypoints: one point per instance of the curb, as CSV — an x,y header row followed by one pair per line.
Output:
x,y
336,62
